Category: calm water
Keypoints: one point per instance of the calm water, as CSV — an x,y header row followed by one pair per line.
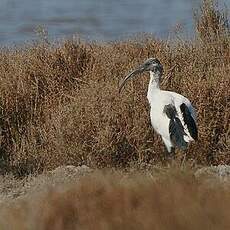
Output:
x,y
93,19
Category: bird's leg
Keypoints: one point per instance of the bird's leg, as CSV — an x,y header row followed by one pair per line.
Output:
x,y
169,149
183,159
172,151
169,156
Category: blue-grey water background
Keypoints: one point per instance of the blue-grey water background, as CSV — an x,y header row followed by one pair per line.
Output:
x,y
103,20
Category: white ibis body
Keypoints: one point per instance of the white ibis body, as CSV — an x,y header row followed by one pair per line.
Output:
x,y
172,115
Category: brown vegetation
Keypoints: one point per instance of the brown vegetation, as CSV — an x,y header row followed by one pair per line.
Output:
x,y
59,104
172,200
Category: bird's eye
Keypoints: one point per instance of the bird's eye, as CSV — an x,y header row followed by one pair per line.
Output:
x,y
154,68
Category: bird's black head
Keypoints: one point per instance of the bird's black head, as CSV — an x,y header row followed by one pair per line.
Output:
x,y
152,65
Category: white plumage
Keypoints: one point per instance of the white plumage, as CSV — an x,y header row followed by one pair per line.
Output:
x,y
172,115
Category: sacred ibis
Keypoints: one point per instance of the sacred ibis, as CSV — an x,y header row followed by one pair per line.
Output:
x,y
172,115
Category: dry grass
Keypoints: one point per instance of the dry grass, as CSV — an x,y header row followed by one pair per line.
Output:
x,y
173,200
59,104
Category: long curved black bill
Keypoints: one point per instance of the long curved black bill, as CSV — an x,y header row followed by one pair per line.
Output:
x,y
131,75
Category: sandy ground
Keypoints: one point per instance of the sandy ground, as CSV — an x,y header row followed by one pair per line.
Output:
x,y
11,188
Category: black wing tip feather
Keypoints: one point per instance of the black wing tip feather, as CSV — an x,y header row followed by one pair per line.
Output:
x,y
177,133
189,121
170,111
176,129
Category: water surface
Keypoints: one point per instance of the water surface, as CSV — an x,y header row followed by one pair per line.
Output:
x,y
94,19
